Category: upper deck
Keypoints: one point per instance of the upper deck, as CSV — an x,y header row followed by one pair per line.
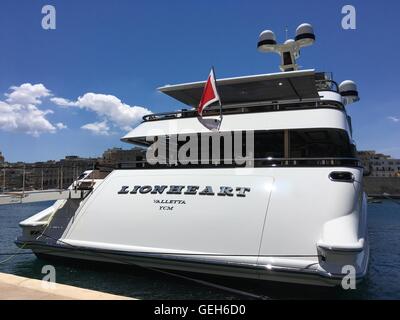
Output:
x,y
280,91
272,87
252,103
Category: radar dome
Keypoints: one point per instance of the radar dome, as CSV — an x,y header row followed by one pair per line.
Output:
x,y
305,35
266,41
348,90
289,41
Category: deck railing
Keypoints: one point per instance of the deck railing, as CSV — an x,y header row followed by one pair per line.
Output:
x,y
252,162
26,177
247,108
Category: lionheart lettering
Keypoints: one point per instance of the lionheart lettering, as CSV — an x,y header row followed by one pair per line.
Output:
x,y
185,190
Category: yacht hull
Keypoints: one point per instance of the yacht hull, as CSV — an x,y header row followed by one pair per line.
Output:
x,y
291,234
297,273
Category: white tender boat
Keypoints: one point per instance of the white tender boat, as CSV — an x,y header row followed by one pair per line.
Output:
x,y
294,210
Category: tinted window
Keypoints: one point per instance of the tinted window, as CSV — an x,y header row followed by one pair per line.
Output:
x,y
269,144
320,143
271,148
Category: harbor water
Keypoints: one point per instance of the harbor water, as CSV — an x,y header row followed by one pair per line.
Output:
x,y
382,282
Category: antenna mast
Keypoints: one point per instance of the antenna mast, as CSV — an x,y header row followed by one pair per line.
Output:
x,y
290,49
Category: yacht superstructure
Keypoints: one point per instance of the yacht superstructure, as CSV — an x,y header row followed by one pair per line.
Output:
x,y
290,208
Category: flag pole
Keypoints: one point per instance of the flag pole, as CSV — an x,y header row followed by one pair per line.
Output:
x,y
219,100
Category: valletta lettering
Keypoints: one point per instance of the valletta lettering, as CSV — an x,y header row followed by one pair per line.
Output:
x,y
166,204
185,190
169,201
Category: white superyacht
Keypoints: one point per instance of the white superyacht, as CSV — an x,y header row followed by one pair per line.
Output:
x,y
294,211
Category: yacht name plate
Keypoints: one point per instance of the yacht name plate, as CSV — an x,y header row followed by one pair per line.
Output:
x,y
186,190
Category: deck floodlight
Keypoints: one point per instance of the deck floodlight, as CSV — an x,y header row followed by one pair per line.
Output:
x,y
290,49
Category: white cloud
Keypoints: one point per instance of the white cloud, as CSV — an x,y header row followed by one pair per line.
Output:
x,y
107,107
394,119
62,102
61,126
27,93
97,128
19,113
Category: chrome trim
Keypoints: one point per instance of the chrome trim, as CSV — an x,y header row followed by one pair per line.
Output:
x,y
183,260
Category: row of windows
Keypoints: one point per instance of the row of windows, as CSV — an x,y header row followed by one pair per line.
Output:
x,y
386,169
378,174
386,163
298,144
301,144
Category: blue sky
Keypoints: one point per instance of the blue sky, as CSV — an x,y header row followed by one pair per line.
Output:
x,y
127,49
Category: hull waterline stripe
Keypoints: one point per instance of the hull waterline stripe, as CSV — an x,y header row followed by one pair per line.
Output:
x,y
254,267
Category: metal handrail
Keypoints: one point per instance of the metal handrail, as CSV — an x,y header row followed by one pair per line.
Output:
x,y
267,107
257,159
26,176
221,162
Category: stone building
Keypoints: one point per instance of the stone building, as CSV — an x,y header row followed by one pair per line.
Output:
x,y
72,166
60,174
379,165
365,158
120,158
44,175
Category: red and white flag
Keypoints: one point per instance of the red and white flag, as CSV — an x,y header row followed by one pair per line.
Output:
x,y
210,93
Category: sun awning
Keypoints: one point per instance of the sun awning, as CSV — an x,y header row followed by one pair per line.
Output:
x,y
264,87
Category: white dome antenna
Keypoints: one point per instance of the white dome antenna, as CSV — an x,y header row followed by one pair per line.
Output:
x,y
305,35
290,49
349,92
266,41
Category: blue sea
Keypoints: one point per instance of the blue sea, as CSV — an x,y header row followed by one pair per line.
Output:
x,y
382,282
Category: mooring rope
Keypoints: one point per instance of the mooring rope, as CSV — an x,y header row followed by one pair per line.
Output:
x,y
211,284
13,255
203,282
